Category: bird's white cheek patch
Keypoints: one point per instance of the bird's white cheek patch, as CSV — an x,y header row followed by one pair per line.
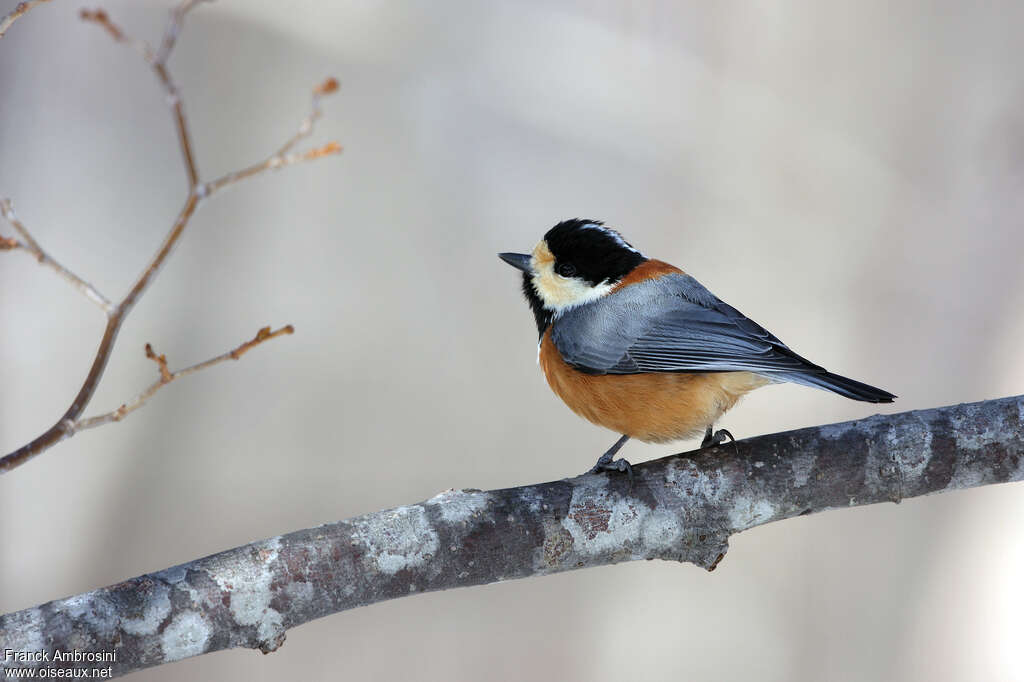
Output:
x,y
561,293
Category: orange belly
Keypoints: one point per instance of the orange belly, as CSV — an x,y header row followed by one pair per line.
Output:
x,y
650,407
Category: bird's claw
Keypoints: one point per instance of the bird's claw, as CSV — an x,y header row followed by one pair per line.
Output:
x,y
717,438
612,465
620,465
606,462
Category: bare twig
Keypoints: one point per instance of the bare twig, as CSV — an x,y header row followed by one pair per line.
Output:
x,y
158,62
174,28
30,245
282,157
167,376
327,87
19,11
272,163
679,508
69,423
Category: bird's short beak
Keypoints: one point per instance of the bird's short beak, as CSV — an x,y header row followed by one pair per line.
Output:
x,y
520,261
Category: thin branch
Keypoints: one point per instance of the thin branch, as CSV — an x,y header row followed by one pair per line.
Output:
x,y
67,425
329,86
19,11
30,245
679,508
272,163
174,28
167,376
158,62
282,157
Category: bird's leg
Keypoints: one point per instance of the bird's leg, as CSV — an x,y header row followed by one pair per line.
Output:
x,y
605,463
713,438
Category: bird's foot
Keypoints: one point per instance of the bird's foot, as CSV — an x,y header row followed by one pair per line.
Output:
x,y
610,464
713,438
607,461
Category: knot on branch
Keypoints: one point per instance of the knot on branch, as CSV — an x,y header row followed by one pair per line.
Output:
x,y
161,361
264,334
327,87
274,643
99,16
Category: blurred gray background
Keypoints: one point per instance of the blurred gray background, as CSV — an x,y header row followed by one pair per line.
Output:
x,y
849,175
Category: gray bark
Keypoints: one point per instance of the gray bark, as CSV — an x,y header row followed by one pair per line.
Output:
x,y
679,508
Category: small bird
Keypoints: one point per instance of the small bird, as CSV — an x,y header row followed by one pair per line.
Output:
x,y
638,346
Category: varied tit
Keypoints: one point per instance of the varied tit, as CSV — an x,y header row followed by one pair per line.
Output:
x,y
638,346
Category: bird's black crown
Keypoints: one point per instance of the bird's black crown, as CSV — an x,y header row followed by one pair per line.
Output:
x,y
591,251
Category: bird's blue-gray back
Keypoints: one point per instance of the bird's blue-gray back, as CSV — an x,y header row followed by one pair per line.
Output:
x,y
669,324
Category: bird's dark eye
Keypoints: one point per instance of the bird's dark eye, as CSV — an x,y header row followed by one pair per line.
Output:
x,y
566,270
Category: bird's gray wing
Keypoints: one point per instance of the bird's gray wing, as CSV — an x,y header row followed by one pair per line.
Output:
x,y
669,324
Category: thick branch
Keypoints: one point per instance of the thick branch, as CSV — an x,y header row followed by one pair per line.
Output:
x,y
679,508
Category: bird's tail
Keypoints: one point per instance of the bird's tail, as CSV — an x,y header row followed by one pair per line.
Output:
x,y
848,388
